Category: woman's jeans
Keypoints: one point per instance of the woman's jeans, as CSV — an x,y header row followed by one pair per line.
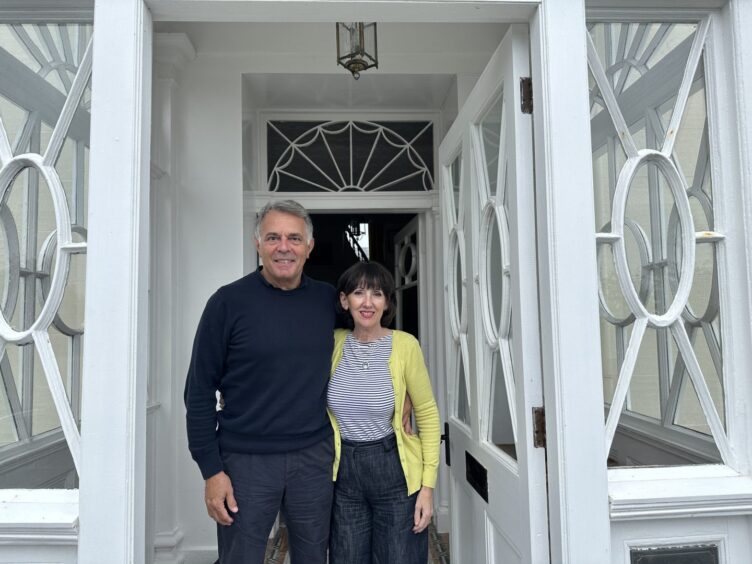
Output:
x,y
372,515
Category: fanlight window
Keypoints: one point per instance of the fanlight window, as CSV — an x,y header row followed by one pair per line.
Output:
x,y
341,156
657,240
44,148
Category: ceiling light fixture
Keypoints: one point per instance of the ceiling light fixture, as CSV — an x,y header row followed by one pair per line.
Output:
x,y
356,46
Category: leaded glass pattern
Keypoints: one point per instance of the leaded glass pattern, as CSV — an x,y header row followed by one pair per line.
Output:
x,y
489,146
657,235
453,186
44,149
349,156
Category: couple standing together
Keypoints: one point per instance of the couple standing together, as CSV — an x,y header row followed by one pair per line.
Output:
x,y
311,417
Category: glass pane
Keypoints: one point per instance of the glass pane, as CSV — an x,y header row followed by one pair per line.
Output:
x,y
349,156
641,62
491,135
610,359
44,414
41,63
644,65
501,430
15,119
456,171
8,433
644,391
457,267
496,282
463,408
689,413
649,207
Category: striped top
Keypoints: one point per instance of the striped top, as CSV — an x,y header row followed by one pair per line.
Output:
x,y
361,395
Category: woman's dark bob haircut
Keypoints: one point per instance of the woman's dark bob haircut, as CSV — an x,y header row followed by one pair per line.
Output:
x,y
371,276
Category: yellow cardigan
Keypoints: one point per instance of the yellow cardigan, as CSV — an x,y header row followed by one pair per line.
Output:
x,y
419,454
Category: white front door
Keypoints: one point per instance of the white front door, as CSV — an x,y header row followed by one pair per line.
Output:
x,y
498,477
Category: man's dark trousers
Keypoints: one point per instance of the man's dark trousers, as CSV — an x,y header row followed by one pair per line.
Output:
x,y
299,483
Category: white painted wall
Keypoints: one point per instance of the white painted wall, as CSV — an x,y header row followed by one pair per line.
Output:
x,y
207,177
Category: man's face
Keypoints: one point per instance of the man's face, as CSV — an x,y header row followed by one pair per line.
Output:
x,y
283,248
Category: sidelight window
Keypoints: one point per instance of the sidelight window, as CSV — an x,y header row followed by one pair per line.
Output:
x,y
44,152
658,244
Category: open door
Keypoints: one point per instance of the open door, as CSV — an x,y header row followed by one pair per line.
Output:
x,y
498,476
406,277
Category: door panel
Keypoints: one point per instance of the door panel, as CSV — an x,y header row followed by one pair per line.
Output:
x,y
498,477
407,277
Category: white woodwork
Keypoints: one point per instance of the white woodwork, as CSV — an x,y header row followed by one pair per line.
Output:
x,y
207,250
512,526
352,10
573,390
730,106
406,243
112,492
421,176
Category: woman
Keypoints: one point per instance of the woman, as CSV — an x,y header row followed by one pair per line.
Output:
x,y
384,477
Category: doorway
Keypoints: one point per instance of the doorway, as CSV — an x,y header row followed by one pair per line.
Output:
x,y
344,239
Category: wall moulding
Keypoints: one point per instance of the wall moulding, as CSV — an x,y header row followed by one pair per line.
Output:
x,y
357,10
172,51
680,498
38,517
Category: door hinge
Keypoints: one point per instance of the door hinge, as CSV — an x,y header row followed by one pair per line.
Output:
x,y
526,95
445,438
539,427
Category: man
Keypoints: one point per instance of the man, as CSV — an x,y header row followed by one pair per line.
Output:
x,y
265,343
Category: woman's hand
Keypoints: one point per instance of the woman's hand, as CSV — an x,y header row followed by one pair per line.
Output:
x,y
423,509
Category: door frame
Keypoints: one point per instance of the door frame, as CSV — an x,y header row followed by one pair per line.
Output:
x,y
430,270
576,464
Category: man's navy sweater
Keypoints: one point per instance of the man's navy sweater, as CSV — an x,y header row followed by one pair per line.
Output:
x,y
268,351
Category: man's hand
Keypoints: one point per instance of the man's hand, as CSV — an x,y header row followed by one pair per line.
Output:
x,y
219,497
407,412
423,509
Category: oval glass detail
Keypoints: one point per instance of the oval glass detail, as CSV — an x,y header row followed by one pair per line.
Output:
x,y
47,175
495,273
44,146
653,179
633,201
408,263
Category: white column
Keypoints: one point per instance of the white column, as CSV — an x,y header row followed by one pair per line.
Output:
x,y
738,13
573,390
113,417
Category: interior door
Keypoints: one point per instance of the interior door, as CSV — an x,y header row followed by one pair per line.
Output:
x,y
498,480
406,277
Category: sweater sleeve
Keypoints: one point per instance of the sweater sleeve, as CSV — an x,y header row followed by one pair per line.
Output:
x,y
203,380
425,409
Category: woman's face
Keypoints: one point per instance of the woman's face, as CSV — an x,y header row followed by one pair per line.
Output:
x,y
366,305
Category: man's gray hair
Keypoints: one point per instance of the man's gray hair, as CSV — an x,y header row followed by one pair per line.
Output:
x,y
285,206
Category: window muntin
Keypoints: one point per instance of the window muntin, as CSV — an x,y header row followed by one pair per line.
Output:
x,y
349,156
453,196
495,266
44,150
657,237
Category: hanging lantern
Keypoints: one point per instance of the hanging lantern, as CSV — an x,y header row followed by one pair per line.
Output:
x,y
356,46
